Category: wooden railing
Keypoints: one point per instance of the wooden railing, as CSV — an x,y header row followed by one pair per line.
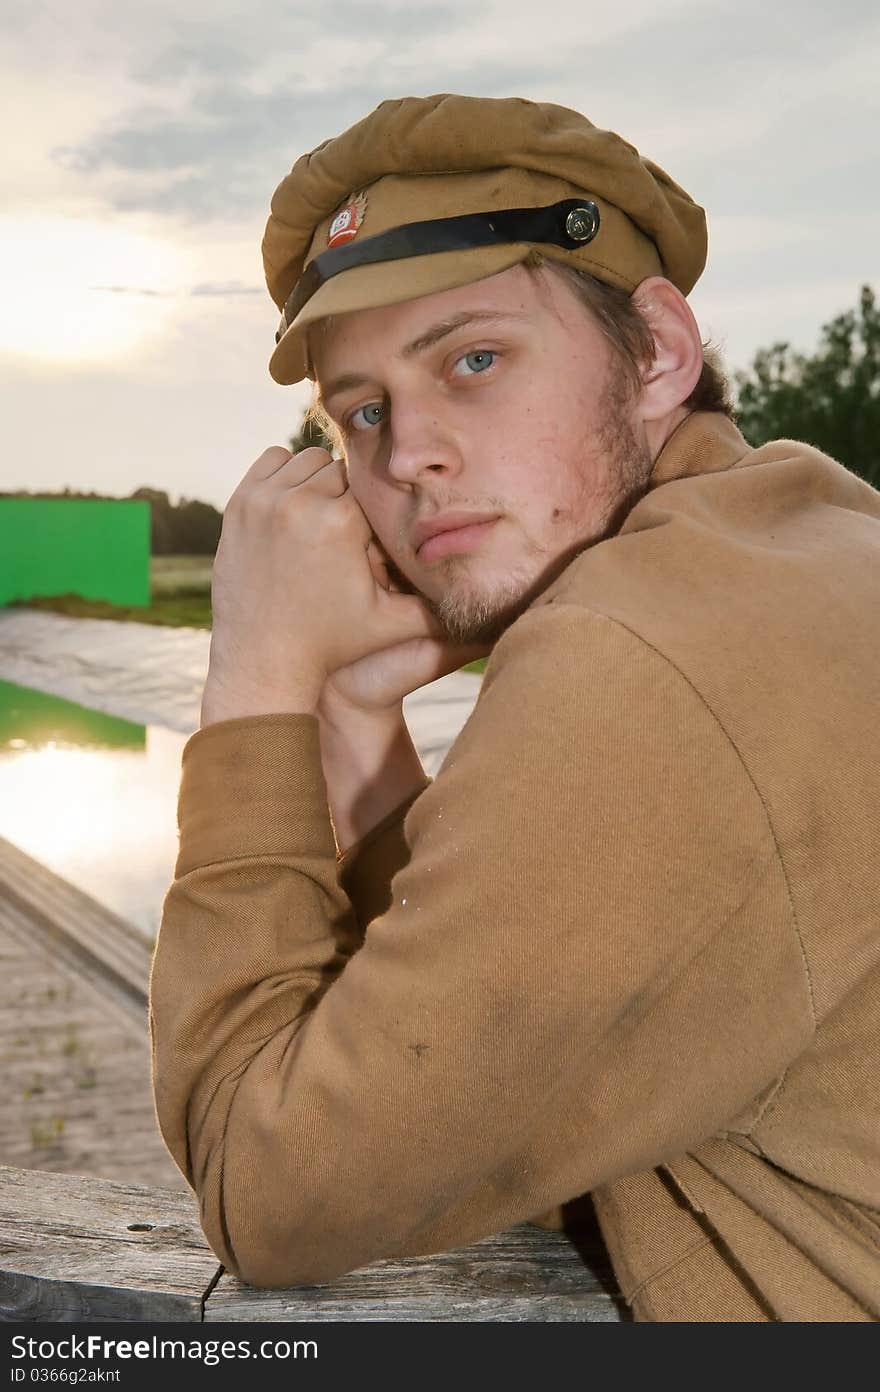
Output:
x,y
78,1249
93,944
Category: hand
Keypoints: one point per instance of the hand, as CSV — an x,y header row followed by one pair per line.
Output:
x,y
376,684
370,762
294,592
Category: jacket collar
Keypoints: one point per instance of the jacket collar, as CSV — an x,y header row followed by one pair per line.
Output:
x,y
706,442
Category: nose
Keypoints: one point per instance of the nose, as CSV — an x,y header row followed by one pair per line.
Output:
x,y
421,444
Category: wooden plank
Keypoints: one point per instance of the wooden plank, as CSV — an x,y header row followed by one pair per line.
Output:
x,y
98,945
76,1090
74,1248
526,1273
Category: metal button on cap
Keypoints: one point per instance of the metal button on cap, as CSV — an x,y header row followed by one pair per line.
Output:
x,y
582,223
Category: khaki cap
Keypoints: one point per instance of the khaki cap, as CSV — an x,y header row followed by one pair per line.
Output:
x,y
398,197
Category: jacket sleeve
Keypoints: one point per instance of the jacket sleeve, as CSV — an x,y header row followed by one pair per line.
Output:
x,y
367,868
587,966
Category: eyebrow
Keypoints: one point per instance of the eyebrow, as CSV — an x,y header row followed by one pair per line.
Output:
x,y
350,381
449,326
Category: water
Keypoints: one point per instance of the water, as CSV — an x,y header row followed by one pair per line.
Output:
x,y
93,797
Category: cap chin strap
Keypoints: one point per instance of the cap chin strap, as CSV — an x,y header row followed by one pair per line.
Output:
x,y
570,224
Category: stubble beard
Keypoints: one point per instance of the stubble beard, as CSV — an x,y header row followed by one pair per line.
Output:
x,y
470,615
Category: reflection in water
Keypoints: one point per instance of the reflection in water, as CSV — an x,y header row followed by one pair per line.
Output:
x,y
93,797
33,719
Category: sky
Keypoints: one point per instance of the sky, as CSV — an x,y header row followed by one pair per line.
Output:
x,y
142,145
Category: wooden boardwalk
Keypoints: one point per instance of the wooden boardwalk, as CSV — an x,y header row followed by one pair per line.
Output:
x,y
74,1043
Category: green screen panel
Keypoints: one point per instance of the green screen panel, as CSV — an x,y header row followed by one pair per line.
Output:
x,y
96,548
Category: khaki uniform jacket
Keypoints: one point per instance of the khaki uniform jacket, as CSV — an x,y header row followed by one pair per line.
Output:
x,y
627,941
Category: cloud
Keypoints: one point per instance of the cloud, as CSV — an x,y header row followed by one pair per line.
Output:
x,y
191,58
233,97
235,49
226,288
228,111
221,160
131,290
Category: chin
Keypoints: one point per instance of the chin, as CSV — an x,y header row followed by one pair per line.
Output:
x,y
470,613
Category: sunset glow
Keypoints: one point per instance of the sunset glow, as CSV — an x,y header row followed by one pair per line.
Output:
x,y
102,818
84,291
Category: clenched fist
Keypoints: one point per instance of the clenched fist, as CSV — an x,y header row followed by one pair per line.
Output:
x,y
298,590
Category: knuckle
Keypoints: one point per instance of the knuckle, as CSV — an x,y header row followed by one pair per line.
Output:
x,y
312,452
275,454
337,520
256,502
245,490
351,517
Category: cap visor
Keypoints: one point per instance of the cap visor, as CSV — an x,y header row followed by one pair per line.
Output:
x,y
386,283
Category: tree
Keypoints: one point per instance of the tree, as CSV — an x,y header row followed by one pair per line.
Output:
x,y
161,520
830,399
189,528
197,528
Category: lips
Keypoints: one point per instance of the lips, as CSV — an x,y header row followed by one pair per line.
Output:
x,y
447,522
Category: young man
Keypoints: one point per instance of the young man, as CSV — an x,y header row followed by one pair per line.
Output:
x,y
627,941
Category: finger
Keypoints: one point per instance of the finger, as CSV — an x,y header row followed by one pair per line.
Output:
x,y
378,564
269,462
330,478
299,468
437,658
463,653
385,572
395,580
307,465
277,464
402,616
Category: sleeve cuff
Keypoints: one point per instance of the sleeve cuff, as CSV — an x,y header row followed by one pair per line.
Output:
x,y
253,786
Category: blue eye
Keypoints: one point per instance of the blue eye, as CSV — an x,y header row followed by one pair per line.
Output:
x,y
477,361
365,417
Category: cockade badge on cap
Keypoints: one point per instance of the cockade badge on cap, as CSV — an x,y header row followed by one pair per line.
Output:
x,y
346,223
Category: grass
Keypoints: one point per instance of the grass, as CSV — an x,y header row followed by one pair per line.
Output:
x,y
180,587
46,1132
170,575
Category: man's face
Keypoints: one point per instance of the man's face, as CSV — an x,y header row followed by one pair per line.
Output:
x,y
500,402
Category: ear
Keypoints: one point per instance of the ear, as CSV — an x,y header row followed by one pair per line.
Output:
x,y
668,381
